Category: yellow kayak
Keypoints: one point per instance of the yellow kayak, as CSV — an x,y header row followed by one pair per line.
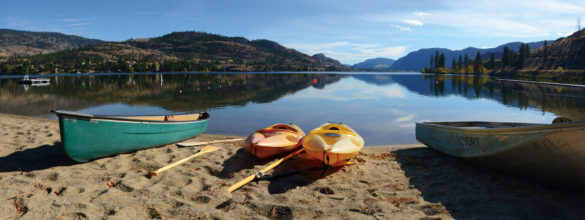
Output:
x,y
333,143
275,139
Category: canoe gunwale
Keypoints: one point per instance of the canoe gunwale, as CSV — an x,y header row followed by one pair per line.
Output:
x,y
123,118
523,128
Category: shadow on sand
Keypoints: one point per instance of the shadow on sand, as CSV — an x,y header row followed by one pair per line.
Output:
x,y
296,171
241,160
39,158
471,192
307,172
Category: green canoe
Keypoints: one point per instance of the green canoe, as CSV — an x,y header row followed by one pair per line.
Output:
x,y
549,153
87,137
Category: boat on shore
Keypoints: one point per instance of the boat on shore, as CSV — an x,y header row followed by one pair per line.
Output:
x,y
553,154
87,137
35,81
273,140
333,143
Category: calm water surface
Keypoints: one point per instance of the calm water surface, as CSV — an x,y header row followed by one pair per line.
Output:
x,y
383,108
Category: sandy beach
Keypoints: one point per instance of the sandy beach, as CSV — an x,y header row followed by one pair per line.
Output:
x,y
38,181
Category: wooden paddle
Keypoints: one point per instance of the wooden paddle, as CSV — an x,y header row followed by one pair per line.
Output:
x,y
266,169
204,150
189,144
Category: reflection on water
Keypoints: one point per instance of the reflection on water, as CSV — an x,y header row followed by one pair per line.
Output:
x,y
381,107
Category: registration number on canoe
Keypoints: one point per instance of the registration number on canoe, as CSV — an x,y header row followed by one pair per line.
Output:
x,y
467,142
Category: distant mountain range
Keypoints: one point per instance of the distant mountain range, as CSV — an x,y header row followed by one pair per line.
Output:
x,y
13,42
417,60
23,52
378,64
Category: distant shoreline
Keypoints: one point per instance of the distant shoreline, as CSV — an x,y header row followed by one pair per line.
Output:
x,y
178,73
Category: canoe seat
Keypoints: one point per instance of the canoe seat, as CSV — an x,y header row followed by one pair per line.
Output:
x,y
561,119
167,118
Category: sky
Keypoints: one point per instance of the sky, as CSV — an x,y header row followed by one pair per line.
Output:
x,y
349,31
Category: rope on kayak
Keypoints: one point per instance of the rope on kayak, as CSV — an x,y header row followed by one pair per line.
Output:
x,y
325,165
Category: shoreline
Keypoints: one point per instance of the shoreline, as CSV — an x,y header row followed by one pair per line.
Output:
x,y
38,181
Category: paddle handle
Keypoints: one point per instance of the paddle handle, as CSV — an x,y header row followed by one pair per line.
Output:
x,y
205,150
241,183
264,170
278,162
189,144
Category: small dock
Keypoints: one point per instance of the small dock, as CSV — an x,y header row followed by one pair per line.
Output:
x,y
35,81
542,83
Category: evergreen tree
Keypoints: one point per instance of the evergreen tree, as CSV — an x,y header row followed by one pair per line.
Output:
x,y
477,63
460,63
437,59
454,65
492,60
545,46
513,58
432,62
506,57
466,61
442,61
523,53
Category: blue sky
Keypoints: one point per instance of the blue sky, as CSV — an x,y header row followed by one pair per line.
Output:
x,y
350,31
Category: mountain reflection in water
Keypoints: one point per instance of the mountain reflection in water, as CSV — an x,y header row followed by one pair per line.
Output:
x,y
381,107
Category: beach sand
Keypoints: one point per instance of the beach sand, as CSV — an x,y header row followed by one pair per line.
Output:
x,y
37,181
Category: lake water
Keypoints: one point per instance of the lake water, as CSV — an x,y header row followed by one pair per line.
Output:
x,y
382,108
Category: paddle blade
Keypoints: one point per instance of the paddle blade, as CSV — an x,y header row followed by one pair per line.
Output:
x,y
209,149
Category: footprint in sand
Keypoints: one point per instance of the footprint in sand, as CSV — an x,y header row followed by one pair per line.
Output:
x,y
280,212
74,215
325,190
53,176
202,199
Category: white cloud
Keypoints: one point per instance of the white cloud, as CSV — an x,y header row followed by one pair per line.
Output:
x,y
563,34
405,118
76,19
346,91
350,52
66,26
420,14
76,24
493,18
413,22
318,48
401,28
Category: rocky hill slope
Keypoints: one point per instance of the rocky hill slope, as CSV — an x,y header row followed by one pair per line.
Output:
x,y
567,53
174,52
13,42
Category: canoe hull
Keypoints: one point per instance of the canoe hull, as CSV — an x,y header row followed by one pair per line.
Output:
x,y
552,154
88,138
